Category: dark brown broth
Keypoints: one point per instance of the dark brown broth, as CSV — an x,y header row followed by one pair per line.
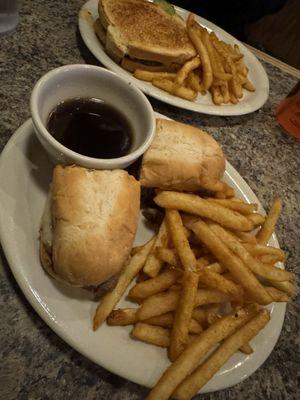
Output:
x,y
91,127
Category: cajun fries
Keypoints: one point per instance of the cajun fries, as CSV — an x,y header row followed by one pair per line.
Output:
x,y
203,260
218,69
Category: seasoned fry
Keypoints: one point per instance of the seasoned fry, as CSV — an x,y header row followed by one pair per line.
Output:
x,y
257,219
284,286
108,302
149,75
155,285
167,320
196,205
169,256
268,258
216,95
245,237
151,334
258,250
165,302
246,349
248,85
218,282
154,264
252,263
188,67
236,267
212,313
201,50
189,359
199,315
267,229
277,295
183,314
239,206
206,371
122,316
175,89
182,246
193,81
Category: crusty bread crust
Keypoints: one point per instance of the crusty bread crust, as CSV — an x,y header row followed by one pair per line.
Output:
x,y
143,30
94,219
181,157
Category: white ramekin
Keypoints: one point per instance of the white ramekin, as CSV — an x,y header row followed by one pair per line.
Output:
x,y
88,81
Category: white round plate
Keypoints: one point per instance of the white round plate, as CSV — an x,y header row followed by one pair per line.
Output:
x,y
25,174
203,104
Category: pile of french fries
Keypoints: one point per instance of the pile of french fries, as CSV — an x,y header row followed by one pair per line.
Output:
x,y
202,282
218,68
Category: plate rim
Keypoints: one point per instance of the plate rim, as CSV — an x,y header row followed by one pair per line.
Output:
x,y
224,110
48,318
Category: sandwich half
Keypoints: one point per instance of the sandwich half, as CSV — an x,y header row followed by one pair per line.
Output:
x,y
181,157
141,34
89,224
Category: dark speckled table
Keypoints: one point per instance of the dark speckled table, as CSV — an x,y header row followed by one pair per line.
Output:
x,y
37,364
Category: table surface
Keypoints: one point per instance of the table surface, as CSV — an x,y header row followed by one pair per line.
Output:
x,y
37,364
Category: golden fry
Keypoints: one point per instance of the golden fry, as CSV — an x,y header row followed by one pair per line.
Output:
x,y
196,205
153,264
108,302
239,206
149,75
268,227
175,89
189,359
190,386
188,67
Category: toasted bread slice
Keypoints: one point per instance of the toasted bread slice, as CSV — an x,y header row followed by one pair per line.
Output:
x,y
143,30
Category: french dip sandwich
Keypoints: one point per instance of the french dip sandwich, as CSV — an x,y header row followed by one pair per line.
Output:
x,y
141,34
89,224
181,157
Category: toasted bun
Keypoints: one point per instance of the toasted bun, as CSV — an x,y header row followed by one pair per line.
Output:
x,y
143,30
94,221
181,157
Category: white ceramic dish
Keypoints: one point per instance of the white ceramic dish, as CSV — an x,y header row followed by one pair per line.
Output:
x,y
203,104
90,81
25,174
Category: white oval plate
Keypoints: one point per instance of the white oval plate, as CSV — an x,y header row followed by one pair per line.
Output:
x,y
203,104
25,174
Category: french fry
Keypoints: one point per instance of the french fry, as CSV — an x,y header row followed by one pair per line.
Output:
x,y
268,227
153,264
189,359
162,303
252,263
239,206
225,92
245,237
246,349
256,218
179,334
248,85
169,256
216,95
206,370
149,75
122,316
201,50
155,285
284,286
215,267
151,334
108,302
176,232
183,314
193,82
194,204
212,313
268,258
258,250
199,315
188,67
277,295
167,320
218,282
175,89
236,267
